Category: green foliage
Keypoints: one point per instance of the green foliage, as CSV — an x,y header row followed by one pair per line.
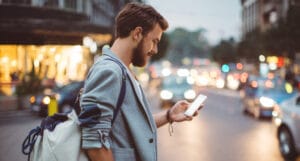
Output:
x,y
189,44
283,39
224,52
251,47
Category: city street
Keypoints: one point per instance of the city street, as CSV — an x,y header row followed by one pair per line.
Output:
x,y
244,55
221,132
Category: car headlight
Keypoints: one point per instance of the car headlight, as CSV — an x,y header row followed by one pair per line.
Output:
x,y
57,97
166,95
46,100
266,102
220,83
189,94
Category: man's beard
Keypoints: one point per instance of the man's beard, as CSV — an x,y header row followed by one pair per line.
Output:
x,y
138,58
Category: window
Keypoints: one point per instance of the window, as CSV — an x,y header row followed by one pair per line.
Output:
x,y
70,4
16,1
51,3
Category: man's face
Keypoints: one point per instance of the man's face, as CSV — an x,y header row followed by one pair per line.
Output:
x,y
147,47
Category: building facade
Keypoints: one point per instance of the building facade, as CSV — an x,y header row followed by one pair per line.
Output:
x,y
263,14
55,38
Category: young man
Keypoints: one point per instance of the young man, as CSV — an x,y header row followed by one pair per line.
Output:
x,y
132,137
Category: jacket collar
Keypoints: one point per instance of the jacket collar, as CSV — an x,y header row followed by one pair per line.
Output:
x,y
137,90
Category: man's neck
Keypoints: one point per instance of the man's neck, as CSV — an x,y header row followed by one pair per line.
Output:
x,y
122,49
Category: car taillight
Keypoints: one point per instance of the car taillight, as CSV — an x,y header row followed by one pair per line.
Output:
x,y
32,99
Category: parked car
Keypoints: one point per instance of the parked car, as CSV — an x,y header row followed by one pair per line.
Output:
x,y
287,118
174,88
65,97
262,94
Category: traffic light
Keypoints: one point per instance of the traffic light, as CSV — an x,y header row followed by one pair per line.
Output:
x,y
225,68
239,66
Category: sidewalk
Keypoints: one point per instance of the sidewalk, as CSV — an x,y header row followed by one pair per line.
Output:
x,y
7,115
9,108
8,103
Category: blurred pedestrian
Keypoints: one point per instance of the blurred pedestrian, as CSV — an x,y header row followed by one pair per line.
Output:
x,y
14,76
290,77
138,30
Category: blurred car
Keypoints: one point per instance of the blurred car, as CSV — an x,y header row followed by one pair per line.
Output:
x,y
233,80
287,118
262,94
65,97
174,88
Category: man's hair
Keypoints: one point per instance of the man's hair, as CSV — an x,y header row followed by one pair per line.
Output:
x,y
138,15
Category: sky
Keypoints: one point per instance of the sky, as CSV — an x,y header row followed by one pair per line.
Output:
x,y
220,18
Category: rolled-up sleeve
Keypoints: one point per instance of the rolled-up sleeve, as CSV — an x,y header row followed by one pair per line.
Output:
x,y
98,101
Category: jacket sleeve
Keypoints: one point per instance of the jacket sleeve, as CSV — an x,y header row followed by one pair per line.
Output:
x,y
98,101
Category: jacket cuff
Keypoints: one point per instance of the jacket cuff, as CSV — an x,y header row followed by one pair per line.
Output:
x,y
98,139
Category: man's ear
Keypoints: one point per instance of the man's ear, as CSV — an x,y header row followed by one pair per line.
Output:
x,y
137,33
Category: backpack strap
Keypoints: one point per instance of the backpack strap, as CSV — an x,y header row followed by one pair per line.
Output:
x,y
121,94
28,143
123,88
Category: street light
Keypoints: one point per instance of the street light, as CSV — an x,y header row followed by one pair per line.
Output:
x,y
262,58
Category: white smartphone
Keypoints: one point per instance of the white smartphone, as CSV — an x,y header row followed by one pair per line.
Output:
x,y
195,105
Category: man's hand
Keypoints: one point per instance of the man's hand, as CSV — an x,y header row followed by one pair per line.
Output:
x,y
101,154
176,113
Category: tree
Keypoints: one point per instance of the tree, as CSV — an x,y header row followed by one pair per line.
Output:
x,y
224,52
282,39
251,46
189,44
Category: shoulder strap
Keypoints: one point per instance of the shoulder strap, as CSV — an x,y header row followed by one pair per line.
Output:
x,y
121,94
123,88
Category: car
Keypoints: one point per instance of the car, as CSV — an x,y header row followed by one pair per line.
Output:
x,y
232,80
262,94
65,97
287,118
174,88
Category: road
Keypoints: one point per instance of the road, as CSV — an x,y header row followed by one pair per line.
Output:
x,y
221,132
14,127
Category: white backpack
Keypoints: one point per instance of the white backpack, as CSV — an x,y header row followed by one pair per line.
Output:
x,y
62,144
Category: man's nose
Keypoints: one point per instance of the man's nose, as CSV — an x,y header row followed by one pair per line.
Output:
x,y
154,50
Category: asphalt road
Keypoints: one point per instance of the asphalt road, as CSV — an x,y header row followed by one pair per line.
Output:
x,y
221,132
14,127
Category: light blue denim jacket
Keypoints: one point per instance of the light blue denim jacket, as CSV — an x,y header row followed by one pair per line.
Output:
x,y
133,134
